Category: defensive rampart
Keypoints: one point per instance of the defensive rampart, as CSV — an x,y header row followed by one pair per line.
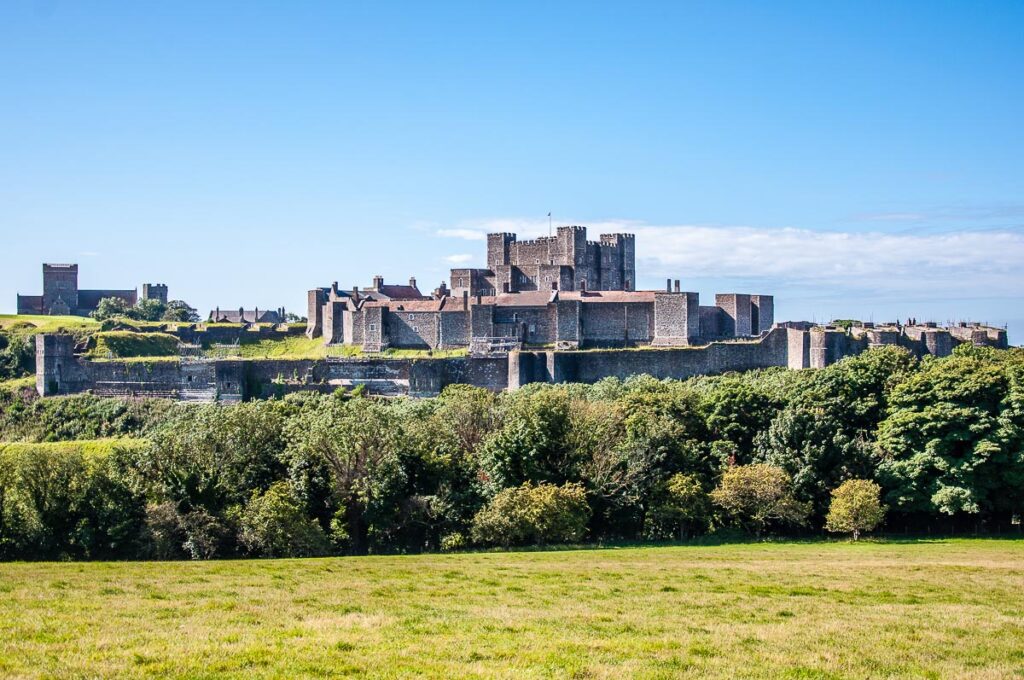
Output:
x,y
794,344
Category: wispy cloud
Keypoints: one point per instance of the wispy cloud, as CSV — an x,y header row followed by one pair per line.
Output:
x,y
964,263
461,258
949,213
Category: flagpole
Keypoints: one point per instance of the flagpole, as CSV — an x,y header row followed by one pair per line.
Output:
x,y
549,225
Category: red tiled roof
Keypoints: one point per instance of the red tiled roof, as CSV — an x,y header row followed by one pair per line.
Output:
x,y
531,298
607,295
400,292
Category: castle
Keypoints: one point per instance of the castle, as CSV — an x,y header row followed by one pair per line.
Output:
x,y
62,296
561,291
555,309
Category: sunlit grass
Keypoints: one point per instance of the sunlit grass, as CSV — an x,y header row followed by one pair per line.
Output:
x,y
34,323
813,610
18,384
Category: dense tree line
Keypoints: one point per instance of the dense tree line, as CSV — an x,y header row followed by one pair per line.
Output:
x,y
932,445
145,310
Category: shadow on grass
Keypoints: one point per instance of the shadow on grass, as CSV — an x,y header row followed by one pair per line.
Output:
x,y
729,539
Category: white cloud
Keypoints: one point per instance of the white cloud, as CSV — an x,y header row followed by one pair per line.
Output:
x,y
461,258
963,263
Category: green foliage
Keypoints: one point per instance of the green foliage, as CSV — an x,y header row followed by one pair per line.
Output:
x,y
145,310
943,439
543,513
756,496
824,435
677,505
121,344
110,307
69,500
79,416
951,442
532,442
855,508
179,310
275,524
17,356
344,454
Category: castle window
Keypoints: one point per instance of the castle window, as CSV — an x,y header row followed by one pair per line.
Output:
x,y
415,329
372,327
412,317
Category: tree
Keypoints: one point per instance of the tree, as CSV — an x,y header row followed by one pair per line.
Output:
x,y
824,435
351,445
677,504
756,495
544,513
179,310
148,310
944,443
274,524
110,307
532,443
855,508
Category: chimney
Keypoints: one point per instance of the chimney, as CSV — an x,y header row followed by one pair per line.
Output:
x,y
334,288
412,281
677,285
378,282
668,285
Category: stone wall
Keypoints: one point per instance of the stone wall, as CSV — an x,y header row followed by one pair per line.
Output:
x,y
416,330
676,318
592,366
736,314
616,324
454,329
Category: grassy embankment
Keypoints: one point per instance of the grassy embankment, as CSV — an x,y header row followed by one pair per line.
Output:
x,y
29,324
301,347
84,447
806,610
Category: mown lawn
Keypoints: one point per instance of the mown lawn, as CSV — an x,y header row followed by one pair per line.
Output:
x,y
939,609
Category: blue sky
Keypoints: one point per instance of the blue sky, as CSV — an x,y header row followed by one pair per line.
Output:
x,y
854,159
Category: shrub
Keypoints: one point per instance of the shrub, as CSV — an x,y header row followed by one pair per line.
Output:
x,y
204,534
855,508
275,525
453,542
678,504
544,513
756,495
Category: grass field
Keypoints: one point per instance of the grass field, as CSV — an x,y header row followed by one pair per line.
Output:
x,y
30,324
938,609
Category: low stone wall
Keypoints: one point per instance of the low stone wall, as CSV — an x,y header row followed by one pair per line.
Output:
x,y
592,366
60,371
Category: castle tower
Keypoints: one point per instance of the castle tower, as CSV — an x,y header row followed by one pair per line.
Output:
x,y
60,288
499,247
155,291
